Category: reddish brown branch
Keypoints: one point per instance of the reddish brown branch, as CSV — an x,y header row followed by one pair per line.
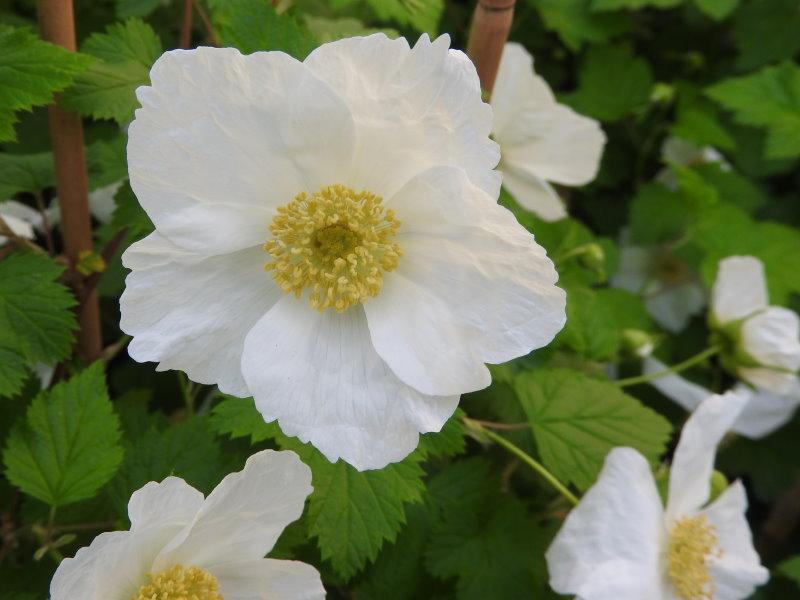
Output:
x,y
186,24
57,23
487,37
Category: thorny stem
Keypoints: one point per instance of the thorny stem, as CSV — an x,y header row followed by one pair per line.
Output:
x,y
524,457
681,366
487,38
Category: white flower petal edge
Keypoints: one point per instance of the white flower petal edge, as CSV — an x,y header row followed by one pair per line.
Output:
x,y
740,289
225,534
540,140
21,219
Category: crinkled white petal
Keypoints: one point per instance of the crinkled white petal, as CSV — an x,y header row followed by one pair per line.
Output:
x,y
191,312
533,193
693,462
319,375
737,571
172,501
609,547
269,579
414,108
243,516
673,305
219,128
772,337
472,287
740,288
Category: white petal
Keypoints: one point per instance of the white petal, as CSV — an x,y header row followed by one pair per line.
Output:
x,y
173,501
472,286
320,377
772,337
682,391
192,313
738,571
243,516
533,193
414,108
269,579
610,544
693,462
79,577
740,288
21,228
766,411
673,305
778,382
633,271
101,201
217,127
21,212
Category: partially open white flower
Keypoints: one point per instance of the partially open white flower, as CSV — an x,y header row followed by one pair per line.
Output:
x,y
22,219
540,140
181,545
621,543
761,343
678,151
362,179
764,412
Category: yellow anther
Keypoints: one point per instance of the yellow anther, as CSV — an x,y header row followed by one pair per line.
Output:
x,y
692,543
335,243
180,583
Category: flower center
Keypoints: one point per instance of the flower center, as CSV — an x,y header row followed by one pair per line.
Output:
x,y
180,583
692,542
335,243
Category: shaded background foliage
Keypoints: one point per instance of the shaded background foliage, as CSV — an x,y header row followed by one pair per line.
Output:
x,y
458,518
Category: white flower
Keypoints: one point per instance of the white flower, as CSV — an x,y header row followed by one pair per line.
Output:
x,y
540,140
761,342
368,171
621,543
181,545
20,218
679,151
671,292
764,412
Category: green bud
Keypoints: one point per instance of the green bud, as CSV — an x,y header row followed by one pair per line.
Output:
x,y
662,93
636,342
90,262
719,483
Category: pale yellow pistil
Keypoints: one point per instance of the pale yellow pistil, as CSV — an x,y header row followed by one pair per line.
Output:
x,y
336,244
692,543
180,583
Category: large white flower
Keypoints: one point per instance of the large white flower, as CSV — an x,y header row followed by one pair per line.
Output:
x,y
540,140
21,219
764,412
181,545
621,543
761,343
362,178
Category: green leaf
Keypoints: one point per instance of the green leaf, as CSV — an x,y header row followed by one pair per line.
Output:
x,y
591,330
253,25
126,51
576,24
633,4
35,315
790,568
329,30
577,420
766,31
239,417
67,446
13,370
30,72
422,15
450,441
717,9
25,173
657,215
769,98
611,68
352,513
136,8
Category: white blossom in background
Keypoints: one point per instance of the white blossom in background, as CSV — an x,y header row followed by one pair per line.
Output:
x,y
22,219
682,152
761,343
182,545
671,292
101,204
363,180
541,141
622,543
764,412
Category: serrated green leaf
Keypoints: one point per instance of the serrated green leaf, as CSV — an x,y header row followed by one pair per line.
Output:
x,y
577,420
450,441
717,9
67,446
13,371
329,30
576,24
769,98
31,70
125,53
422,15
25,173
657,215
239,417
136,8
35,315
766,31
591,329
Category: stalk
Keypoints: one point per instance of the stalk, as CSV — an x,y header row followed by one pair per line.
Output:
x,y
487,37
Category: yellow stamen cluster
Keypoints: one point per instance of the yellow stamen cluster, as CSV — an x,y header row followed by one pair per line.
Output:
x,y
180,583
335,243
692,542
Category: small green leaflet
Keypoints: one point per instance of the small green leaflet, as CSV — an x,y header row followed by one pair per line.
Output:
x,y
30,72
769,98
577,420
67,446
422,15
576,22
106,90
238,417
25,173
35,315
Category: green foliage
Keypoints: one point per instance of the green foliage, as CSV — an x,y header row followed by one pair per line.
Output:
x,y
576,420
790,568
577,23
30,72
67,446
125,53
25,173
422,15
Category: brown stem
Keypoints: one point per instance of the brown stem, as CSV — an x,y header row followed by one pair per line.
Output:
x,y
57,24
48,235
487,37
503,426
186,24
212,34
18,240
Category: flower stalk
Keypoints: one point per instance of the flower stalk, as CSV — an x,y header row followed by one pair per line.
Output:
x,y
491,23
681,366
